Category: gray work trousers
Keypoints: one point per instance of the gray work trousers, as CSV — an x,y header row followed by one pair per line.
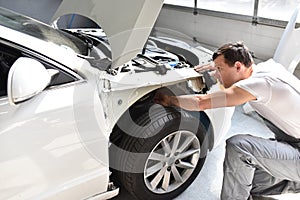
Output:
x,y
257,166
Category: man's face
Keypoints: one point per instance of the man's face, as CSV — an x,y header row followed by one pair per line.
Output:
x,y
227,75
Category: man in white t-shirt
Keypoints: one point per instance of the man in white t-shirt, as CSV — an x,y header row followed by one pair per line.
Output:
x,y
254,166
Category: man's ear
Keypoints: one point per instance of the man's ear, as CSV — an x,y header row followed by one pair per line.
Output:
x,y
238,66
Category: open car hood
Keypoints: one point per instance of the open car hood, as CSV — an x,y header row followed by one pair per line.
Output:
x,y
127,23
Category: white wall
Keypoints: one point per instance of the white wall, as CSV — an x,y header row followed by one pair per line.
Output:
x,y
216,31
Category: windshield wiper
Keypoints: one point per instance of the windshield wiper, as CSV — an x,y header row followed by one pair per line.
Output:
x,y
85,38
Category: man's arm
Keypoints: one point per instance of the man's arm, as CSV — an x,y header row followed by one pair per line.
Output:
x,y
232,96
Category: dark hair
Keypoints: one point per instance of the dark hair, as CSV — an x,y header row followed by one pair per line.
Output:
x,y
233,52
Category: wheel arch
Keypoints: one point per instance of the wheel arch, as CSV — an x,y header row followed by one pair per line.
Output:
x,y
143,105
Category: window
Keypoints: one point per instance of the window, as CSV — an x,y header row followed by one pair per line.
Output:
x,y
280,10
8,55
243,7
187,3
39,30
277,9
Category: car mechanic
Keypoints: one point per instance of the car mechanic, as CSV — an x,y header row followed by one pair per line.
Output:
x,y
253,166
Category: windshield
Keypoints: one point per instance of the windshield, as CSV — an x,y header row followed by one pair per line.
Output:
x,y
42,31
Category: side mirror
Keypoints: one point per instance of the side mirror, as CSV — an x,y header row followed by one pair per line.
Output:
x,y
26,78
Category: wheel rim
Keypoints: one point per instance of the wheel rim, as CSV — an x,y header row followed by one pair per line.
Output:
x,y
171,162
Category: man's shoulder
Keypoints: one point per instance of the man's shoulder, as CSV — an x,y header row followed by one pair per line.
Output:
x,y
269,66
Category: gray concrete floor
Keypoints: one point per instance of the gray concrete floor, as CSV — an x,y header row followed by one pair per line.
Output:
x,y
207,186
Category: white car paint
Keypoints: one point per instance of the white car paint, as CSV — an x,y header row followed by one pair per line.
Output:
x,y
42,152
23,80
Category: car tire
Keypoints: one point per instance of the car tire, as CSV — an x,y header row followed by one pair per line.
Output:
x,y
161,153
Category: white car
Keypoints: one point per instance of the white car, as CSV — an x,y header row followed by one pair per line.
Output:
x,y
74,110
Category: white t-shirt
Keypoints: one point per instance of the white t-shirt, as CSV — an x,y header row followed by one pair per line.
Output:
x,y
277,93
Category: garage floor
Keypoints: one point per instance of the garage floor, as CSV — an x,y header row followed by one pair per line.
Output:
x,y
207,185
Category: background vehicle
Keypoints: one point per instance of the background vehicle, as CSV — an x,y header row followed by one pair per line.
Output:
x,y
72,108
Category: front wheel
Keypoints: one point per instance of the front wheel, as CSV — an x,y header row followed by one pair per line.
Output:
x,y
160,156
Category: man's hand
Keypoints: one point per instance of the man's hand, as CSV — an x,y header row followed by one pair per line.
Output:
x,y
187,102
205,68
163,99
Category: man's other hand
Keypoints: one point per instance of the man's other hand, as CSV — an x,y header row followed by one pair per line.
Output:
x,y
163,99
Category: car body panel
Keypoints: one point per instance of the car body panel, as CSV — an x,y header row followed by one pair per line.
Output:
x,y
32,161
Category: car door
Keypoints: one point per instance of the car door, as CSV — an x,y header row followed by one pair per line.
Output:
x,y
52,145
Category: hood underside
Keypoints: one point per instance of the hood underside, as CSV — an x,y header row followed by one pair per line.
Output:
x,y
127,23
